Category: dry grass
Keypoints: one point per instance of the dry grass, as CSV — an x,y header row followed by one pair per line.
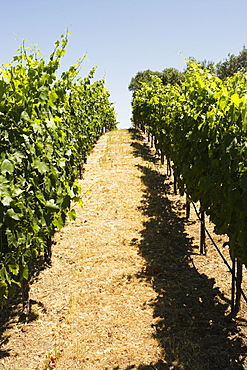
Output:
x,y
127,288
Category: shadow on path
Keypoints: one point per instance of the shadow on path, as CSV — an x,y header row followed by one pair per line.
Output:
x,y
11,313
191,325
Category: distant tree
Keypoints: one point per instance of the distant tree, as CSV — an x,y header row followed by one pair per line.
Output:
x,y
167,76
209,64
172,76
145,76
233,64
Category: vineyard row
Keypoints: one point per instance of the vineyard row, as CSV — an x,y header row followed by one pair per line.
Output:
x,y
48,125
200,125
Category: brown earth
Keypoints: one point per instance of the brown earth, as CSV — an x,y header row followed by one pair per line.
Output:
x,y
127,288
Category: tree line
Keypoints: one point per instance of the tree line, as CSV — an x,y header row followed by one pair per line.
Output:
x,y
226,68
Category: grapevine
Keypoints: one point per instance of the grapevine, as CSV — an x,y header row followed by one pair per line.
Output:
x,y
201,125
48,125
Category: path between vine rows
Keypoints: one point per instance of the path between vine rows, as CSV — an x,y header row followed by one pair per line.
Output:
x,y
127,288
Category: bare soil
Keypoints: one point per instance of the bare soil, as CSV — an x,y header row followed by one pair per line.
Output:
x,y
128,288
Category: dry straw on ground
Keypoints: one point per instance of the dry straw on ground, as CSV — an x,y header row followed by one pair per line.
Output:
x,y
127,288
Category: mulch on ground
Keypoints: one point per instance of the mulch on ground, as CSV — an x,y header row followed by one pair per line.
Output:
x,y
127,288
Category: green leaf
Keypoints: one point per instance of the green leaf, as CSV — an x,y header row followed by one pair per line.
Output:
x,y
72,215
58,223
18,156
51,124
14,269
24,273
6,200
43,93
2,88
12,214
51,205
3,181
41,166
80,202
7,167
52,98
37,128
25,116
236,100
66,202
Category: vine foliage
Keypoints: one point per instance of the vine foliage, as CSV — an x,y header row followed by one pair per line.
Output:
x,y
201,125
48,125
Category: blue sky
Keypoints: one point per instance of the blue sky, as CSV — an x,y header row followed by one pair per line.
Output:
x,y
123,37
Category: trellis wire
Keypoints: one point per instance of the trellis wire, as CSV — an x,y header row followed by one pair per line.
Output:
x,y
218,250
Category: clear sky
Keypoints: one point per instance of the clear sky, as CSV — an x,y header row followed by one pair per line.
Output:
x,y
123,37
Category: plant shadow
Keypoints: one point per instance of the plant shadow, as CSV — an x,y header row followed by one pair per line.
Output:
x,y
12,312
190,313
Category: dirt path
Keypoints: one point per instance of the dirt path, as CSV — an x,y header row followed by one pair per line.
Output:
x,y
127,288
